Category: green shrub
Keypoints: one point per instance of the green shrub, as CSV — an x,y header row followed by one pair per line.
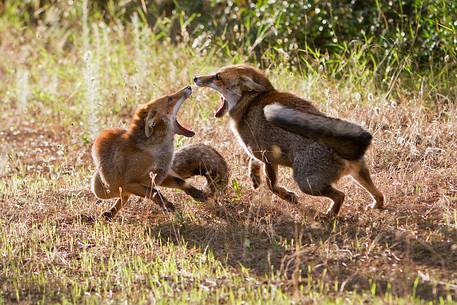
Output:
x,y
385,40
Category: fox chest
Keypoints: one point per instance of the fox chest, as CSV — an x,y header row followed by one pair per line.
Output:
x,y
156,159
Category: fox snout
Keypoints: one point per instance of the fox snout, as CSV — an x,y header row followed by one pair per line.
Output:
x,y
181,95
188,91
197,80
202,80
173,102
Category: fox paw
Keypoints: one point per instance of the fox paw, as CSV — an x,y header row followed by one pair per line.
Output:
x,y
375,205
164,203
256,181
168,206
86,218
330,214
325,217
290,197
197,194
108,215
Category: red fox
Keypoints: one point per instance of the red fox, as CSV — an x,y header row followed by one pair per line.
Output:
x,y
278,128
137,160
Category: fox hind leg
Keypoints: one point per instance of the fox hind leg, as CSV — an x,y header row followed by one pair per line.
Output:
x,y
314,186
337,197
100,190
361,174
315,171
150,193
172,181
120,202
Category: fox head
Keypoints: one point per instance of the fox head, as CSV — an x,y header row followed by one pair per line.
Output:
x,y
233,83
159,116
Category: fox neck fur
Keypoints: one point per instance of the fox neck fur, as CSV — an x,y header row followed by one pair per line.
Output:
x,y
237,109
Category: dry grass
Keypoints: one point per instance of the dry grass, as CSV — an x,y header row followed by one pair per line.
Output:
x,y
247,247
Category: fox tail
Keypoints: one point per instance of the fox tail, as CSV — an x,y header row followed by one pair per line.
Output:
x,y
202,160
348,140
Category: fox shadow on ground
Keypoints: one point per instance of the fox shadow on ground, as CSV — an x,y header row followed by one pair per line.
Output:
x,y
268,244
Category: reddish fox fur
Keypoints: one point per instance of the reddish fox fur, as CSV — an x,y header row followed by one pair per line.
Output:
x,y
137,160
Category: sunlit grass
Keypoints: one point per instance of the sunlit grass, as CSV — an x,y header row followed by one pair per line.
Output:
x,y
248,248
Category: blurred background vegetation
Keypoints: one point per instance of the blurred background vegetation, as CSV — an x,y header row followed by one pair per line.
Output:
x,y
397,42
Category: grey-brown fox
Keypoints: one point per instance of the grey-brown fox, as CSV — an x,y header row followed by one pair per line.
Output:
x,y
278,128
137,160
202,160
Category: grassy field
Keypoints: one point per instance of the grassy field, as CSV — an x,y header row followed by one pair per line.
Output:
x,y
59,88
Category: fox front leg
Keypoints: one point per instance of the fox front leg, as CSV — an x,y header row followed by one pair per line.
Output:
x,y
271,171
254,172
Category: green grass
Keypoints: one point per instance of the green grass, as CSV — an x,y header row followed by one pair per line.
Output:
x,y
246,248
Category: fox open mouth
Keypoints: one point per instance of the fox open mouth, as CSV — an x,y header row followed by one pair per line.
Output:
x,y
222,108
179,129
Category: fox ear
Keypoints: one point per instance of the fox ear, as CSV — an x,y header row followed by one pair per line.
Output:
x,y
251,84
149,123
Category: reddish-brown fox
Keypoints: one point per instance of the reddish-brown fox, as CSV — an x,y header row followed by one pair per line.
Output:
x,y
278,128
137,160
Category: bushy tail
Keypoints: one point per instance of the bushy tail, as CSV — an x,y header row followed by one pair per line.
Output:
x,y
202,160
347,139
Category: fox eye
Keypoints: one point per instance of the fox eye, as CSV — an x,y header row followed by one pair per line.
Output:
x,y
218,77
170,98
